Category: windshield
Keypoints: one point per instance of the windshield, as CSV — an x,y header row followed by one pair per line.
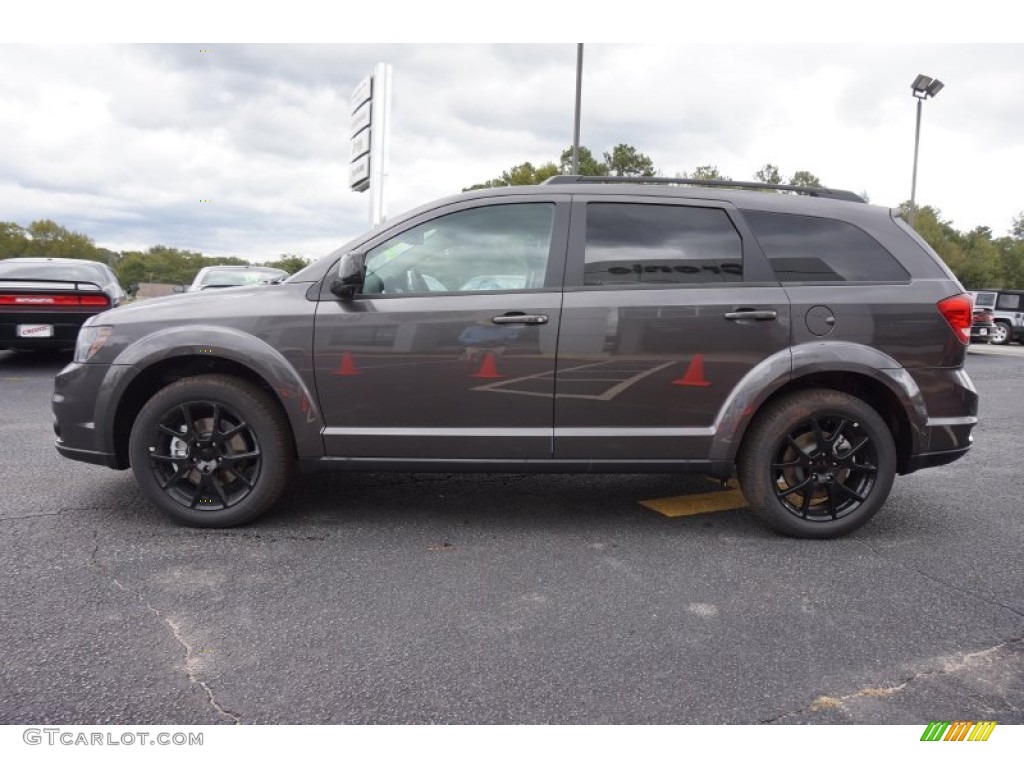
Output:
x,y
229,278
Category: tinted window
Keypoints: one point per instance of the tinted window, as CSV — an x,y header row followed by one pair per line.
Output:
x,y
631,243
492,248
811,249
984,298
52,271
1008,301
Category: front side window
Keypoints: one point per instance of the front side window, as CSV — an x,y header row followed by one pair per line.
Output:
x,y
813,249
641,244
491,248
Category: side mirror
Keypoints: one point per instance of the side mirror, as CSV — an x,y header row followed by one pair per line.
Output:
x,y
179,289
132,289
351,273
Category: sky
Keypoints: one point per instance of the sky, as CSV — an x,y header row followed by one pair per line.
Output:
x,y
241,147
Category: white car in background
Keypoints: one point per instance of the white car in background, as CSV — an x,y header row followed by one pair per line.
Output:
x,y
232,277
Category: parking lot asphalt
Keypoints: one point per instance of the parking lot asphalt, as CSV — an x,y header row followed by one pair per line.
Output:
x,y
507,598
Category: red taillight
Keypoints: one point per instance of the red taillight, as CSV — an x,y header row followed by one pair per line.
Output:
x,y
54,300
958,311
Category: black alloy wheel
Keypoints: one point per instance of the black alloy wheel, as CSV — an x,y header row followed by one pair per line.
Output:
x,y
204,455
211,451
824,468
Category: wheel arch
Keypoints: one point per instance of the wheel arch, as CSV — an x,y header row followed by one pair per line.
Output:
x,y
150,364
855,369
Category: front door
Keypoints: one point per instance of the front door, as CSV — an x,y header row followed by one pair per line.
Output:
x,y
455,303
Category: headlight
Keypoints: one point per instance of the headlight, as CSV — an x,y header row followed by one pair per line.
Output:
x,y
90,339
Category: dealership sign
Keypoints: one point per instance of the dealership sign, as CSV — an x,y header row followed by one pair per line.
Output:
x,y
369,129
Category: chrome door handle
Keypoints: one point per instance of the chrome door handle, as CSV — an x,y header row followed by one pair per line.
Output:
x,y
752,314
519,319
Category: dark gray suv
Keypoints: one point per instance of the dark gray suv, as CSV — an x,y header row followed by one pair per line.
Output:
x,y
799,338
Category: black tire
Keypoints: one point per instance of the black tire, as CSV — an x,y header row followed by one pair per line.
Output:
x,y
211,451
1003,333
817,464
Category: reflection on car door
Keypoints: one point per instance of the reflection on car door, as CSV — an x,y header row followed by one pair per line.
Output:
x,y
458,300
668,306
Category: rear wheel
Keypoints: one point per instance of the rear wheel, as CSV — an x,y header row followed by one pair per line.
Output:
x,y
817,464
211,451
1001,333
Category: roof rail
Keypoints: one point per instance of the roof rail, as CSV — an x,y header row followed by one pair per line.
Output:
x,y
833,194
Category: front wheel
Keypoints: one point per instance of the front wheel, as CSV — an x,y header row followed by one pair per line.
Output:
x,y
211,451
817,464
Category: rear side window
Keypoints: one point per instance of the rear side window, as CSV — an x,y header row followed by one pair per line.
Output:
x,y
638,244
1008,301
984,299
812,249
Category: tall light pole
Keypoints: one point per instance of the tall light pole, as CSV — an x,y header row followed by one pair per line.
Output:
x,y
923,87
579,94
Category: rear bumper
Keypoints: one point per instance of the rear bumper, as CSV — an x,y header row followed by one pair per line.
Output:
x,y
952,407
926,460
65,327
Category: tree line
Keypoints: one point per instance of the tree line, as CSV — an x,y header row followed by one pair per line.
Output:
x,y
158,264
976,257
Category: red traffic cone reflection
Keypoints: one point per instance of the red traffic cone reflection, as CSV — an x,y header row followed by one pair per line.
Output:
x,y
488,369
694,376
347,367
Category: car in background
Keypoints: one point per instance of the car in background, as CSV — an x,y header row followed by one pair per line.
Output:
x,y
983,325
1007,308
44,302
233,277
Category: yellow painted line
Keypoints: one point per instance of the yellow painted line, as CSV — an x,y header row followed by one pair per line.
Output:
x,y
697,503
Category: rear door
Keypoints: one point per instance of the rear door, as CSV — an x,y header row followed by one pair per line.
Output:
x,y
668,304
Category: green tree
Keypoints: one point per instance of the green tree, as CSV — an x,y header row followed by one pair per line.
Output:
x,y
289,262
624,160
519,175
48,239
769,174
13,240
1017,229
162,264
708,173
588,164
805,179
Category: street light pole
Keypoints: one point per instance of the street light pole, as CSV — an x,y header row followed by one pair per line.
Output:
x,y
913,182
579,94
922,87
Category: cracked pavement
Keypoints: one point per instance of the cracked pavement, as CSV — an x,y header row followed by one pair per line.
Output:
x,y
505,598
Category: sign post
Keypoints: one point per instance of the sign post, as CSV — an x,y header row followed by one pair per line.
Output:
x,y
370,130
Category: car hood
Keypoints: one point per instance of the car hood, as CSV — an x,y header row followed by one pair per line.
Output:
x,y
190,306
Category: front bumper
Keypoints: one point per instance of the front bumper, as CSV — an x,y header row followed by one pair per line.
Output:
x,y
76,392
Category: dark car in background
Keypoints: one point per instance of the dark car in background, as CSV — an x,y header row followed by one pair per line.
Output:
x,y
44,302
233,277
798,338
983,325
